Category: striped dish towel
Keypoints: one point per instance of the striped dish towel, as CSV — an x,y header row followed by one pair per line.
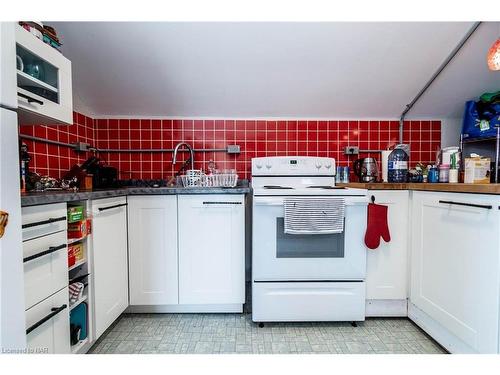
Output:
x,y
314,215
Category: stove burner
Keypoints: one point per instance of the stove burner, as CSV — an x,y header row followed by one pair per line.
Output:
x,y
326,187
277,187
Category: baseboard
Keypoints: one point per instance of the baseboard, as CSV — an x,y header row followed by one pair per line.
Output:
x,y
442,335
386,308
222,308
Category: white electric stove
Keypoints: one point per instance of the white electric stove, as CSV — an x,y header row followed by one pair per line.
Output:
x,y
310,277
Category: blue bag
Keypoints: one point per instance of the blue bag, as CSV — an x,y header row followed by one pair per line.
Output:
x,y
480,119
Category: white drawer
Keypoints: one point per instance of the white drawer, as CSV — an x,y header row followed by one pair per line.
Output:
x,y
42,220
48,323
45,267
308,301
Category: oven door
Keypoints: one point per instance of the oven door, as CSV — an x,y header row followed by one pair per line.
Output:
x,y
277,256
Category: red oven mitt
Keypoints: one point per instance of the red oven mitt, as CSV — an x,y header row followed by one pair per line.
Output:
x,y
376,226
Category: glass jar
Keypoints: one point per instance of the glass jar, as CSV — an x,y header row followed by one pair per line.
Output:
x,y
444,173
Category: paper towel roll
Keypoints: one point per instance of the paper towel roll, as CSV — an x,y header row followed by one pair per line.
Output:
x,y
385,165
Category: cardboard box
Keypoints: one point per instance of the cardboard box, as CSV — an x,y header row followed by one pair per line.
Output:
x,y
75,213
477,170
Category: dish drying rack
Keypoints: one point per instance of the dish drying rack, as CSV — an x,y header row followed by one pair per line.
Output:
x,y
196,178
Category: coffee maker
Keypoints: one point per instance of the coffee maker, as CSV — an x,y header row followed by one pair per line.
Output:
x,y
366,169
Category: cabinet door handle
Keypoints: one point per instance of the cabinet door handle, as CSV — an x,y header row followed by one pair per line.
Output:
x,y
221,202
43,222
30,99
55,311
110,207
50,250
486,206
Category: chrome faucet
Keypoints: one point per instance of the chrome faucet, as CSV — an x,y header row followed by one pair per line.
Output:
x,y
188,146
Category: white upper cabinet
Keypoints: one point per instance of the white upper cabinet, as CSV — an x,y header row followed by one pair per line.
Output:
x,y
386,276
455,269
211,249
44,90
152,236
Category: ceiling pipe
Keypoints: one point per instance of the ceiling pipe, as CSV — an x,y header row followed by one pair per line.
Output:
x,y
434,76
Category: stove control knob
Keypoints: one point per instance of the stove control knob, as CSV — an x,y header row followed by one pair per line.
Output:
x,y
328,166
259,166
268,166
318,165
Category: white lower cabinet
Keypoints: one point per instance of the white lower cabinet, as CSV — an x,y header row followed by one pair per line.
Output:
x,y
187,253
455,269
47,325
211,249
387,266
109,245
153,250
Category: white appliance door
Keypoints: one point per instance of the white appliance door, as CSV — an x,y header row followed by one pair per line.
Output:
x,y
12,323
281,257
8,71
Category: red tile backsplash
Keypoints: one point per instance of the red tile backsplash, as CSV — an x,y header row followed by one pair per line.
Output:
x,y
255,137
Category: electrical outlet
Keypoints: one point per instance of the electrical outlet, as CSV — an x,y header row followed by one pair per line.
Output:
x,y
81,146
233,149
351,150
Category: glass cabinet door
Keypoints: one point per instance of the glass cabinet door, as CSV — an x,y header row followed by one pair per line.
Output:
x,y
36,75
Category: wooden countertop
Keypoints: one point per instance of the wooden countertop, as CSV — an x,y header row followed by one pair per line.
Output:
x,y
455,188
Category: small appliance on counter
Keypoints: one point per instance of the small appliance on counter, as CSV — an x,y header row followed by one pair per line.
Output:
x,y
366,169
103,176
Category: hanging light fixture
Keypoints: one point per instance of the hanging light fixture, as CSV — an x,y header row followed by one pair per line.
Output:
x,y
494,56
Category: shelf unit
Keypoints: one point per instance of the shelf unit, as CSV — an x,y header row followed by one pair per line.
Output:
x,y
82,271
487,146
24,79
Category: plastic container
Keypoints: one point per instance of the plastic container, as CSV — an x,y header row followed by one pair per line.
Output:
x,y
453,179
433,175
398,166
444,173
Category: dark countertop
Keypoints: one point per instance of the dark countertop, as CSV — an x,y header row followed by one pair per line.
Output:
x,y
37,198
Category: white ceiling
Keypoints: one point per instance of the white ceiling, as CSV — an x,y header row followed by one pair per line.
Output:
x,y
306,70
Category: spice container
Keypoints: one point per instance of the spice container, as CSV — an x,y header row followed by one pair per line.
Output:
x,y
444,173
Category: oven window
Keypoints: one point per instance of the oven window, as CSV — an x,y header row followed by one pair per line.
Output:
x,y
307,245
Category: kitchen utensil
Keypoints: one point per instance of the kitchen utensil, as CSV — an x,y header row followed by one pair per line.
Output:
x,y
366,169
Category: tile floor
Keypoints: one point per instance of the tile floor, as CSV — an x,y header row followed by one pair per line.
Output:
x,y
236,333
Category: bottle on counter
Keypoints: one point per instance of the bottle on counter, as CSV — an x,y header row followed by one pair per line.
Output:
x,y
345,175
398,165
24,165
433,174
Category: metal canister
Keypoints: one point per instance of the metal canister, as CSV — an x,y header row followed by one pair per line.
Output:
x,y
345,175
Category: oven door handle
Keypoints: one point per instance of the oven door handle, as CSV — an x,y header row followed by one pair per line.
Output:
x,y
261,201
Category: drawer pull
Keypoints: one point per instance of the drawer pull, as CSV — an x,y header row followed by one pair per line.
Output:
x,y
55,311
46,252
29,98
486,206
110,207
221,202
44,222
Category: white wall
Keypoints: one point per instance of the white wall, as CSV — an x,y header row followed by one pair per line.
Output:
x,y
450,131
